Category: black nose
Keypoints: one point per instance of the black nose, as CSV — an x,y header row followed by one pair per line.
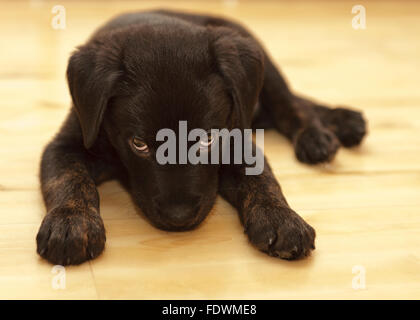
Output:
x,y
179,213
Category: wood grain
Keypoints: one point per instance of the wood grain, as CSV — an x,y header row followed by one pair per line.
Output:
x,y
364,206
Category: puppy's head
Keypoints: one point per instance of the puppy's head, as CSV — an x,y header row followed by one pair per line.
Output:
x,y
137,80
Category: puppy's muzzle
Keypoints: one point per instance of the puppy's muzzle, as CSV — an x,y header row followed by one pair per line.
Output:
x,y
180,215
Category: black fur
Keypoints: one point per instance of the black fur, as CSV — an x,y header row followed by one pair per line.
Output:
x,y
145,71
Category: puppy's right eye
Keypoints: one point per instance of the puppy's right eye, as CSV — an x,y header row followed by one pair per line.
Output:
x,y
206,143
139,145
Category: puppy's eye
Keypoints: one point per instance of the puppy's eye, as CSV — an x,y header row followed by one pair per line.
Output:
x,y
207,142
139,145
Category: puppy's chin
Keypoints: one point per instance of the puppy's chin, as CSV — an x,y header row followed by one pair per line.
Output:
x,y
163,223
177,228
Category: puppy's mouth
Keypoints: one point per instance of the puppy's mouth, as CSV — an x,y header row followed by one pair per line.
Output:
x,y
179,219
179,227
173,223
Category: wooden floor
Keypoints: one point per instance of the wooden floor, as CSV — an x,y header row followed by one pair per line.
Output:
x,y
365,206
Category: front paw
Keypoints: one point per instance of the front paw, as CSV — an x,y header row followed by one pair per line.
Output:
x,y
280,232
316,144
71,235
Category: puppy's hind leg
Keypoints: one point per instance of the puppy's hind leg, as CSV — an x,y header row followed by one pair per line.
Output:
x,y
348,125
315,131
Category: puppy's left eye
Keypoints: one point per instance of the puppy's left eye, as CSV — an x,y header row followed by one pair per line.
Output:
x,y
139,145
207,142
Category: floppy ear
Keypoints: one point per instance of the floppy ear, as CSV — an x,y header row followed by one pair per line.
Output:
x,y
91,75
240,61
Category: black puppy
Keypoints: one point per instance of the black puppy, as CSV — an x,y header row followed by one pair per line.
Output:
x,y
145,71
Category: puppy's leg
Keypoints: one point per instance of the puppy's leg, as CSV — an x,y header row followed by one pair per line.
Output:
x,y
72,231
348,125
316,131
271,225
